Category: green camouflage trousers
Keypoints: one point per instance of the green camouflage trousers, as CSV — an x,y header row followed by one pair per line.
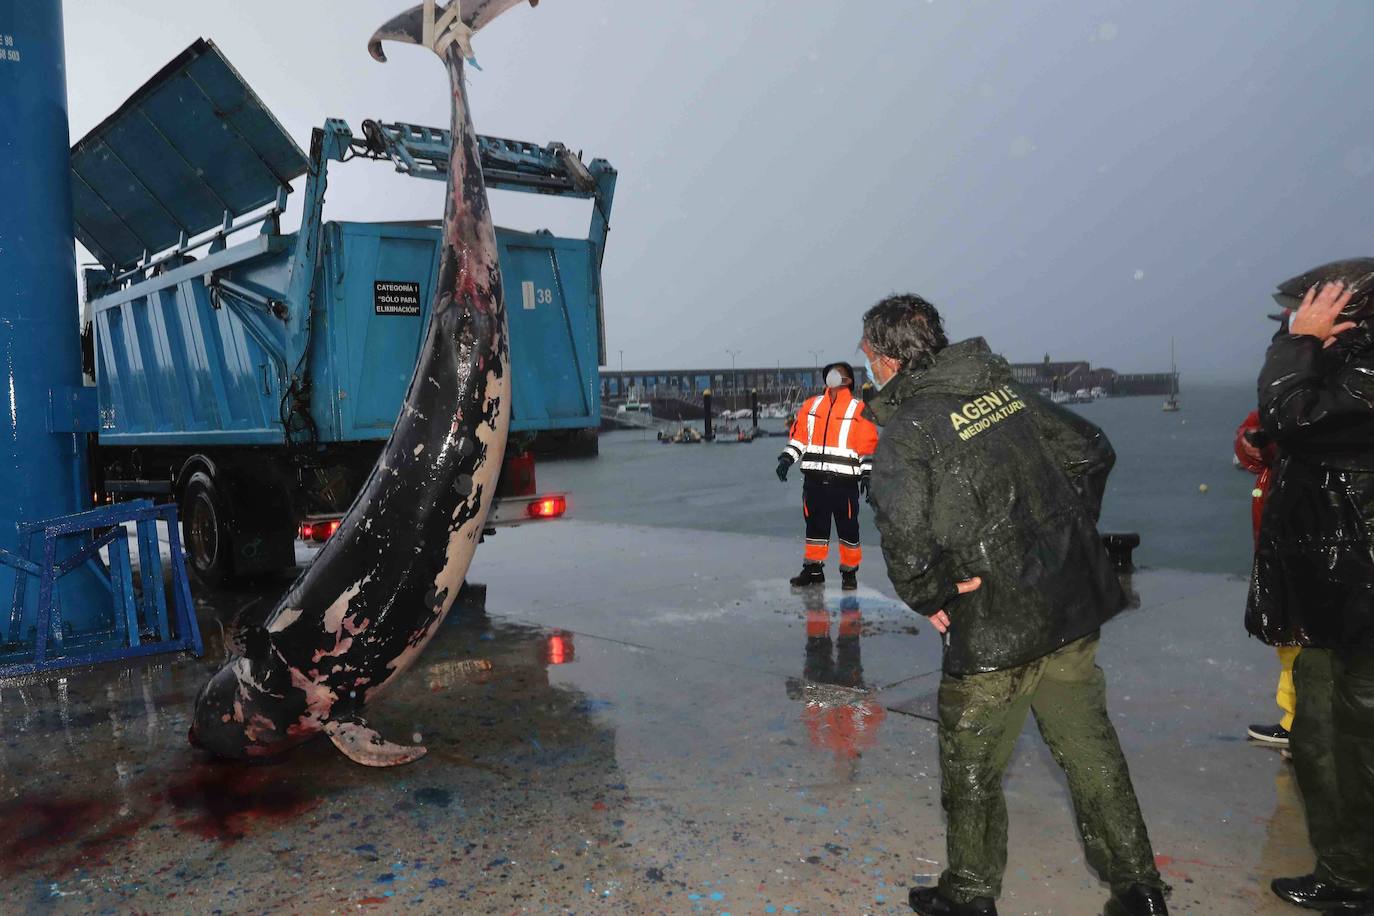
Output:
x,y
981,716
1333,755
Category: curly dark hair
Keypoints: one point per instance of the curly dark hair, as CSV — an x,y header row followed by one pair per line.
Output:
x,y
906,328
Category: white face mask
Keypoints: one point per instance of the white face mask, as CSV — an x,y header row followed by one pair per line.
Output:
x,y
872,376
833,379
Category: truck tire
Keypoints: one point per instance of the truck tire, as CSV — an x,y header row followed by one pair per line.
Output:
x,y
205,531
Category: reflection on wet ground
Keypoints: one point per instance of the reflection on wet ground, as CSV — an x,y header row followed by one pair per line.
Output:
x,y
640,721
841,713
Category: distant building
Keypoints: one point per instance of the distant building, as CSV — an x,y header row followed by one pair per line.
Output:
x,y
1077,375
1059,376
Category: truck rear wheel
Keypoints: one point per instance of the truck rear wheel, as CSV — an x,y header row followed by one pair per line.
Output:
x,y
209,547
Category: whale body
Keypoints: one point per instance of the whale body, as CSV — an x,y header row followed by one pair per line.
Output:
x,y
365,609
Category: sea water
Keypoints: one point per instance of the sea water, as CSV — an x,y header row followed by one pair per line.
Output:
x,y
1164,462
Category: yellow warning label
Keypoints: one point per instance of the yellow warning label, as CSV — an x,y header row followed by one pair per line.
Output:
x,y
986,411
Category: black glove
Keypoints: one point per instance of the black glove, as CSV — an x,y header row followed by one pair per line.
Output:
x,y
784,465
863,487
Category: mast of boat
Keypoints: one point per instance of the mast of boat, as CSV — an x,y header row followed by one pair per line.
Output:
x,y
1173,373
1172,403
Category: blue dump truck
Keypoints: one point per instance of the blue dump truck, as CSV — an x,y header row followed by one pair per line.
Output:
x,y
254,380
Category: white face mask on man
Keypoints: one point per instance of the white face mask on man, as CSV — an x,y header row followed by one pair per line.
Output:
x,y
833,379
872,376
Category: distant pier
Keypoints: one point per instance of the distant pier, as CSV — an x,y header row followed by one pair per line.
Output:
x,y
677,393
680,390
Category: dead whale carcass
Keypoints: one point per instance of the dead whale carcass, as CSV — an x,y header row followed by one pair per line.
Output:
x,y
381,586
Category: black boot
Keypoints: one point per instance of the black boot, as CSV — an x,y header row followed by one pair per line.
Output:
x,y
928,901
849,579
1311,892
1138,900
811,574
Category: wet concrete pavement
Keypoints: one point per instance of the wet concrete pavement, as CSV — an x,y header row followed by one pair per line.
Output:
x,y
640,721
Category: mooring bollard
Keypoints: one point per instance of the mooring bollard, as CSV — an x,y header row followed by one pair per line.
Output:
x,y
1119,547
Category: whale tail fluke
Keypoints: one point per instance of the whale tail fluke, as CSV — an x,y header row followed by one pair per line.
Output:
x,y
407,28
439,27
357,741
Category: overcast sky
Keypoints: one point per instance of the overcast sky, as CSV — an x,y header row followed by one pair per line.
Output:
x,y
1081,178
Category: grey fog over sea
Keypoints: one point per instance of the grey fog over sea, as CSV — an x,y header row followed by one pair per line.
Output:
x,y
1163,459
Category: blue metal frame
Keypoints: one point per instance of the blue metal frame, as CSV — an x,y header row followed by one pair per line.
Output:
x,y
140,627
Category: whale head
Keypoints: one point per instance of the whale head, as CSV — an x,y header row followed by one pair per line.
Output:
x,y
251,708
257,707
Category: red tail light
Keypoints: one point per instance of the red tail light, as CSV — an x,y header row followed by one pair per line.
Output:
x,y
548,507
559,649
318,531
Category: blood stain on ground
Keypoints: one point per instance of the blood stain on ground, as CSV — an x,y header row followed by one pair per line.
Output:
x,y
36,827
60,834
222,802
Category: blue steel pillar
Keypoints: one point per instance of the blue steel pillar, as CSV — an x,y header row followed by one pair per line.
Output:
x,y
42,473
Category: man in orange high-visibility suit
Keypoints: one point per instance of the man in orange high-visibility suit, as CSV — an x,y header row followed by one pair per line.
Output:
x,y
834,444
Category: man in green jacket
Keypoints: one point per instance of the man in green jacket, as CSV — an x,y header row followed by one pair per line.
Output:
x,y
987,499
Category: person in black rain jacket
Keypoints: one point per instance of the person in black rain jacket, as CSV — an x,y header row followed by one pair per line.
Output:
x,y
1313,580
987,499
977,477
